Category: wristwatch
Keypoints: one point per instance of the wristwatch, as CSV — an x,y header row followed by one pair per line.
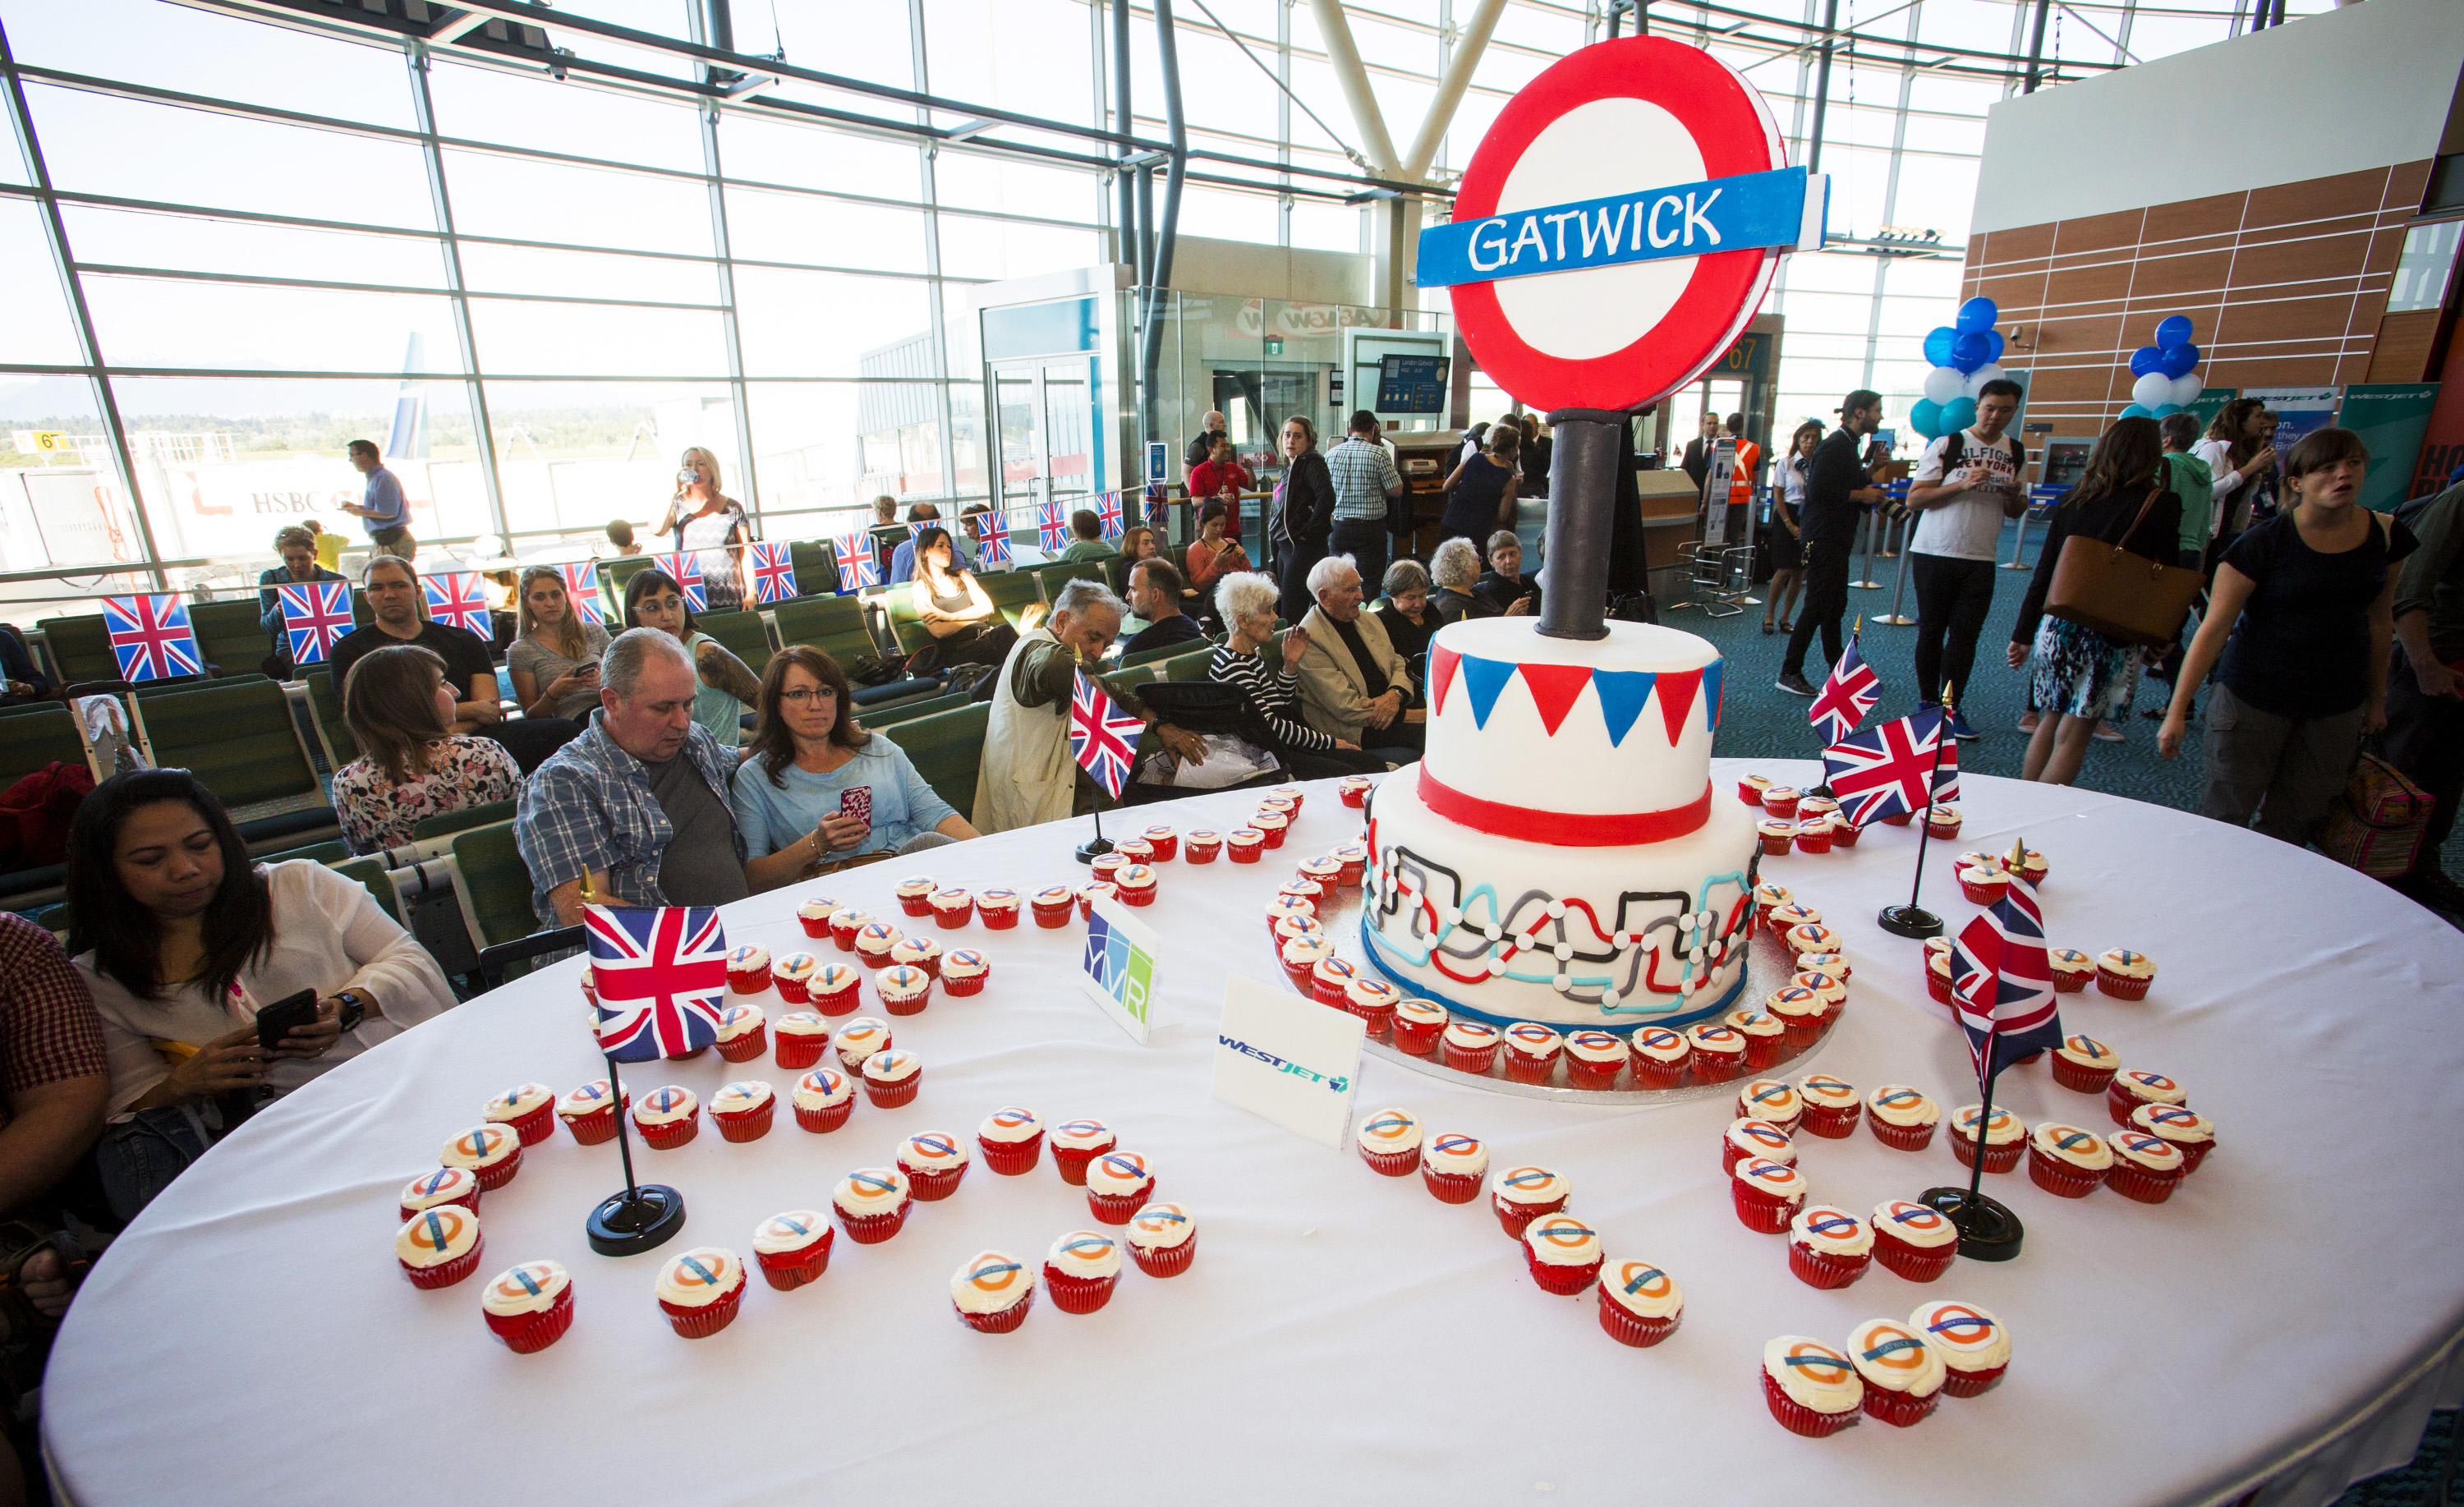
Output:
x,y
354,1009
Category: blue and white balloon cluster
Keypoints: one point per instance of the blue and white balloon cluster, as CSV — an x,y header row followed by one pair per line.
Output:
x,y
2163,379
1965,354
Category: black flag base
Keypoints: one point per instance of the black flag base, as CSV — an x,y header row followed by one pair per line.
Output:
x,y
1910,921
636,1220
1988,1231
1094,848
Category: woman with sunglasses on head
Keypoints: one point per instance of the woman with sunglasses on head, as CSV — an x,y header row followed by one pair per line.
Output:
x,y
554,658
701,519
791,793
183,940
652,600
2302,617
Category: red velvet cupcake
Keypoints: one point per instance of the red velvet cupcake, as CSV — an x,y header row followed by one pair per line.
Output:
x,y
1522,1194
1811,1388
590,1112
793,1247
823,1099
1080,1271
1913,1241
492,1153
1747,1137
700,1290
2006,1138
1639,1303
1718,1053
1532,1052
1163,1239
528,1110
438,1247
2085,1066
743,1112
871,1203
1974,1347
1470,1046
1832,1107
1594,1058
992,1292
1389,1141
1562,1253
2066,1160
1659,1057
934,1162
1903,1375
1075,1143
2145,1167
1767,1194
1118,1184
1418,1025
669,1117
529,1306
453,1186
1011,1141
1901,1117
1453,1166
1828,1247
2191,1133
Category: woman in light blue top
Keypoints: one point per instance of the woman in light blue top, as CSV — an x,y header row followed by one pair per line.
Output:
x,y
807,754
652,600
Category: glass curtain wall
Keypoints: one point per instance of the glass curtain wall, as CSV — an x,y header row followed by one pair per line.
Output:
x,y
241,244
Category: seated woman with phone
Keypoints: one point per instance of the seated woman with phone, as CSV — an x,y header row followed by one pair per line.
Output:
x,y
817,790
219,982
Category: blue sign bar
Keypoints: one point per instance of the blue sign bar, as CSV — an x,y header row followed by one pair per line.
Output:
x,y
1780,208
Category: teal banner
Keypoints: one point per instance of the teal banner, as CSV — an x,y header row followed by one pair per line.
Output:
x,y
2391,418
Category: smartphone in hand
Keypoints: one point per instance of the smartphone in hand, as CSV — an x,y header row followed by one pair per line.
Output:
x,y
276,1021
857,803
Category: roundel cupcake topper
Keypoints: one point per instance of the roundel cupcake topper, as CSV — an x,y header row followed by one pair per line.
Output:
x,y
1619,224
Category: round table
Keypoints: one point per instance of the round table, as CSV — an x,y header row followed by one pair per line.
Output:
x,y
2282,1323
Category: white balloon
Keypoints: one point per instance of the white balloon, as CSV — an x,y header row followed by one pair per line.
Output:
x,y
2187,390
1943,383
2152,391
1977,379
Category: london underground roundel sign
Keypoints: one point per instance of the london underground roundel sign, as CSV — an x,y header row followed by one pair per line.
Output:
x,y
1619,224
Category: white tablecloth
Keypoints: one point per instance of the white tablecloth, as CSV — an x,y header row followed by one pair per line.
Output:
x,y
2287,1316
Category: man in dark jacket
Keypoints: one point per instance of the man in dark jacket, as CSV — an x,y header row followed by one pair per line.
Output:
x,y
1837,493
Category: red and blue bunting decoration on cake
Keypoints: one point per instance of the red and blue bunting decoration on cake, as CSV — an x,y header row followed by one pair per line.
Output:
x,y
1556,688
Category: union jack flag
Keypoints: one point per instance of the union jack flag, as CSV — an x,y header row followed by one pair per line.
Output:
x,y
858,566
1883,773
1052,528
992,546
1848,693
661,977
1109,509
581,590
774,573
2002,984
315,614
151,637
455,599
1104,737
685,570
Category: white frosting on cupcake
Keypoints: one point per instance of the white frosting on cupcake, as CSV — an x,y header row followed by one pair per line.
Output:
x,y
953,898
750,958
1135,876
871,1190
861,1037
1761,1138
665,1107
1293,924
2173,1123
1773,828
1054,895
1822,1091
1310,947
1969,1338
917,887
1471,1035
1831,963
902,983
932,1151
1943,816
530,1288
1245,836
1981,869
2003,1129
588,1099
804,1026
2148,1153
1812,1374
792,1231
1161,1226
990,1282
915,951
1915,1223
1009,1126
741,1099
965,962
2153,1088
1725,1040
897,1065
1081,1135
822,1088
2088,1052
1898,1104
1561,1240
1455,1155
1774,1179
1119,1174
481,1148
796,968
2070,960
1084,1253
1372,994
1794,1003
1531,1185
847,918
1771,897
435,1237
1660,1044
1831,1229
1829,987
875,938
1780,794
1531,1039
1896,1358
2125,963
2084,1149
738,1022
1788,917
998,898
1596,1047
1770,1099
442,1186
1753,1023
817,908
834,979
1641,1289
1421,1012
520,1101
700,1277
1387,1131
1335,971
1812,939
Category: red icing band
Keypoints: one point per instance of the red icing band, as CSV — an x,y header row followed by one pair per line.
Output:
x,y
1563,828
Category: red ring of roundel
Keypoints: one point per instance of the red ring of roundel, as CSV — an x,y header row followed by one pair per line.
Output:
x,y
1734,135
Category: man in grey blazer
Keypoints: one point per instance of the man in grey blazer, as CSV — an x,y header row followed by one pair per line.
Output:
x,y
1354,685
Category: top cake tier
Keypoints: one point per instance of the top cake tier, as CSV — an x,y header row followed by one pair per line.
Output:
x,y
1605,743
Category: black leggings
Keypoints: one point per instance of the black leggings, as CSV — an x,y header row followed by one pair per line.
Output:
x,y
1826,602
1954,595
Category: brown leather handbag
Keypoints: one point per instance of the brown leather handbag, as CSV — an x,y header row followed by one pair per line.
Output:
x,y
2123,596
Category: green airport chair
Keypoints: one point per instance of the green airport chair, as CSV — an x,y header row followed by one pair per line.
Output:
x,y
817,567
34,736
325,708
230,635
448,823
241,743
743,634
80,648
495,884
898,711
946,748
814,619
1012,592
370,874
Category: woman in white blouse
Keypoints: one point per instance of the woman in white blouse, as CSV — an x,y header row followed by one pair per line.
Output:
x,y
183,940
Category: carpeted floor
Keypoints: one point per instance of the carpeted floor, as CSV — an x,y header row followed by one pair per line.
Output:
x,y
1761,721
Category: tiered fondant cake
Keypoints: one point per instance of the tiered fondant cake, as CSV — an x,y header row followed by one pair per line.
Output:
x,y
1557,855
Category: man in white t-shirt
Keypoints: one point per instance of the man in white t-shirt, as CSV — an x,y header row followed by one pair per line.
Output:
x,y
1967,483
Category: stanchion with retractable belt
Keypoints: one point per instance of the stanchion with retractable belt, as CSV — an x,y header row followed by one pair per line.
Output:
x,y
1898,588
1865,580
2019,560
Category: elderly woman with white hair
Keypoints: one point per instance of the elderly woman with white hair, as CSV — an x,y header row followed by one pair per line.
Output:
x,y
1246,602
1454,572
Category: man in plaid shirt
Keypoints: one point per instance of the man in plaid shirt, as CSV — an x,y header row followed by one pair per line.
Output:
x,y
54,1083
1364,478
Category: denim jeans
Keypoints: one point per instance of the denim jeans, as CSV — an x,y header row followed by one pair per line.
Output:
x,y
140,1156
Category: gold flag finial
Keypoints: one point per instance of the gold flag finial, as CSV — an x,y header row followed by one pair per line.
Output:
x,y
1947,693
2018,853
1859,627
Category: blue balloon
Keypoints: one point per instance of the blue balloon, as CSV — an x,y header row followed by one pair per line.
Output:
x,y
1993,338
1976,316
1958,414
2165,410
2135,411
1937,345
1970,351
2179,359
2175,330
2145,359
1925,417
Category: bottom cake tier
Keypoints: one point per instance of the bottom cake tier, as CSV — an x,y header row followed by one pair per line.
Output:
x,y
1608,938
